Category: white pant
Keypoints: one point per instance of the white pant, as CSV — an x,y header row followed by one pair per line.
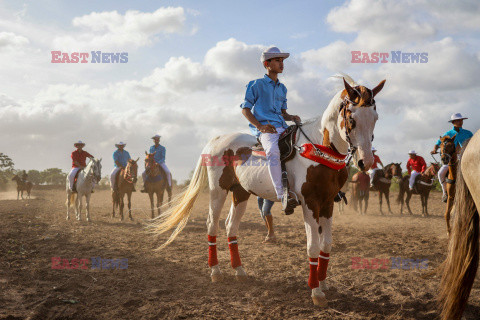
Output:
x,y
112,176
413,175
270,144
442,174
167,171
372,174
71,176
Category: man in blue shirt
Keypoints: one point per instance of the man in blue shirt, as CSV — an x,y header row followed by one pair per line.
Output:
x,y
120,159
461,136
159,157
265,107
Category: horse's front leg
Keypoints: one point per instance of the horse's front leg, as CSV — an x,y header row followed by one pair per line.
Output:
x,y
150,194
122,204
78,205
159,201
366,202
217,200
232,224
87,205
129,197
68,205
387,198
448,209
407,201
380,200
313,230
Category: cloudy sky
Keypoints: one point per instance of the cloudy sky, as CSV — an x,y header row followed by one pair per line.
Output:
x,y
189,62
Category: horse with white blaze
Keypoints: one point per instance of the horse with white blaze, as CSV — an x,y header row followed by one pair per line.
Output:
x,y
345,128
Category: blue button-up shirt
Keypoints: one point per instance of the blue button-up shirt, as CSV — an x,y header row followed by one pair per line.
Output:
x,y
462,136
160,153
122,157
267,99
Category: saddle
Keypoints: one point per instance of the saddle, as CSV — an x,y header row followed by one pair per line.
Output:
x,y
285,144
161,175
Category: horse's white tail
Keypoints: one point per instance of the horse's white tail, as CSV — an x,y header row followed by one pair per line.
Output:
x,y
177,215
72,199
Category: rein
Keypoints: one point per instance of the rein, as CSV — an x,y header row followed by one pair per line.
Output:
x,y
351,148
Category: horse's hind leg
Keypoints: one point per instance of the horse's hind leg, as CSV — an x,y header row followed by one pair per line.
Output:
x,y
68,205
122,204
387,197
380,201
87,206
239,204
217,200
78,206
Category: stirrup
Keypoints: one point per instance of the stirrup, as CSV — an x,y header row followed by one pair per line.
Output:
x,y
288,202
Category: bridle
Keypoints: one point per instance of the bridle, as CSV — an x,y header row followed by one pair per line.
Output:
x,y
128,175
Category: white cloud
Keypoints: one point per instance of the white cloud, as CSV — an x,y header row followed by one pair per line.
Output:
x,y
11,40
113,30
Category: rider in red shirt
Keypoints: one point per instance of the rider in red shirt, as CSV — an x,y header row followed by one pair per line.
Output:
x,y
374,168
79,159
416,165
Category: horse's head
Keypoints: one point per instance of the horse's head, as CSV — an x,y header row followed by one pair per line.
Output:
x,y
358,115
432,170
447,148
132,169
394,170
15,178
97,169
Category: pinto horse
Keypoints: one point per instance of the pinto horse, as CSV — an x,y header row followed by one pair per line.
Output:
x,y
127,178
156,182
461,264
423,187
22,186
347,124
448,154
383,180
360,191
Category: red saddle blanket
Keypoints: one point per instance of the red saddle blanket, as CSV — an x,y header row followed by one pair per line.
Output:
x,y
325,156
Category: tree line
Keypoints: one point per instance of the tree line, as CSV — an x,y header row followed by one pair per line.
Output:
x,y
51,176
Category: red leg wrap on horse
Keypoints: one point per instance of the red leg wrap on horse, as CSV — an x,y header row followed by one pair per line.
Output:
x,y
234,255
313,277
323,265
212,251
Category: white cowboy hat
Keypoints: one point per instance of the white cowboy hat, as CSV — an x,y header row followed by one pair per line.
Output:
x,y
456,116
412,152
156,136
273,52
373,149
78,143
120,144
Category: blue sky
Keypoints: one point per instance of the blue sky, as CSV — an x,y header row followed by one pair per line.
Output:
x,y
189,62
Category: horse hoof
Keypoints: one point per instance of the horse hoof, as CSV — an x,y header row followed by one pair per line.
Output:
x,y
320,301
216,277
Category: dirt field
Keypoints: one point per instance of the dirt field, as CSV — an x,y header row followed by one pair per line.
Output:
x,y
175,283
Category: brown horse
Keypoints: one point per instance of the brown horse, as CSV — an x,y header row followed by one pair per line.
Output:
x,y
360,191
448,153
383,180
126,180
22,186
423,185
156,182
461,264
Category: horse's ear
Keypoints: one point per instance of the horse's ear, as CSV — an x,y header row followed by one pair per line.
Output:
x,y
378,88
453,138
146,153
350,91
399,163
137,159
100,160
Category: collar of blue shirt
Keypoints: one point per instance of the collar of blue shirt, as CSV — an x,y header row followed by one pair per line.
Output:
x,y
268,79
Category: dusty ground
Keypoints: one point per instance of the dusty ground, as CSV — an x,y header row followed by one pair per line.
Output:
x,y
175,283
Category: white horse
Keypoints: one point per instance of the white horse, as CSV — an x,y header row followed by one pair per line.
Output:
x,y
347,125
91,174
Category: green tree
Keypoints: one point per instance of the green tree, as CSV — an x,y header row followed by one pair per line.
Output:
x,y
6,168
53,176
35,176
